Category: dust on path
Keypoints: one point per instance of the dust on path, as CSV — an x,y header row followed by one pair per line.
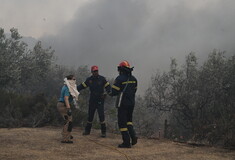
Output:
x,y
44,144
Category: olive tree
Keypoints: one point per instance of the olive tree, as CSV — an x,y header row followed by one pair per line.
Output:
x,y
199,100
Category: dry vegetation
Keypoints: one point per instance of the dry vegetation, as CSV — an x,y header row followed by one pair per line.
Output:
x,y
44,143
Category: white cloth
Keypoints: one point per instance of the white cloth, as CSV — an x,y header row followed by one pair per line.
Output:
x,y
72,88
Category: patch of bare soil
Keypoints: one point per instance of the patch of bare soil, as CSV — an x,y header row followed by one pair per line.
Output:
x,y
44,144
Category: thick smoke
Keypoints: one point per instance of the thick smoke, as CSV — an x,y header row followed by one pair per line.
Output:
x,y
146,33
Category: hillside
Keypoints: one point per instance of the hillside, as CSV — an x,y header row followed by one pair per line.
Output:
x,y
44,143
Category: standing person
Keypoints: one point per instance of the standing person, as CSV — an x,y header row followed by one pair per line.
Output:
x,y
68,92
125,87
97,84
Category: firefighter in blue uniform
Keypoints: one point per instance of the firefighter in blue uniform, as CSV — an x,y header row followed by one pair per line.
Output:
x,y
97,84
125,87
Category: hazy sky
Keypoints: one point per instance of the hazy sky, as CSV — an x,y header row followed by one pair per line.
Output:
x,y
147,33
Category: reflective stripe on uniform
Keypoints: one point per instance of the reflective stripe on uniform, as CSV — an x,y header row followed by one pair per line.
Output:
x,y
89,122
115,87
84,84
123,129
128,82
106,84
129,123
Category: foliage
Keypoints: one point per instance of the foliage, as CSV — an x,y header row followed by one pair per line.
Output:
x,y
200,100
11,55
30,84
146,120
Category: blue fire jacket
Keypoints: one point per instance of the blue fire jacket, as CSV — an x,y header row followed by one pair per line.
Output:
x,y
120,82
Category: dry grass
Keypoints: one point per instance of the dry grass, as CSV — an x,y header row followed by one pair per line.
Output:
x,y
44,144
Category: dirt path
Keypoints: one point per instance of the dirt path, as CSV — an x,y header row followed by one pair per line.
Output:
x,y
44,144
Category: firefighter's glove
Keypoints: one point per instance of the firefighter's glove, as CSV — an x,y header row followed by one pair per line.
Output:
x,y
69,112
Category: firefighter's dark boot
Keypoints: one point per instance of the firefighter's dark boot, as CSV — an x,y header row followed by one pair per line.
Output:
x,y
132,133
126,140
87,128
103,130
